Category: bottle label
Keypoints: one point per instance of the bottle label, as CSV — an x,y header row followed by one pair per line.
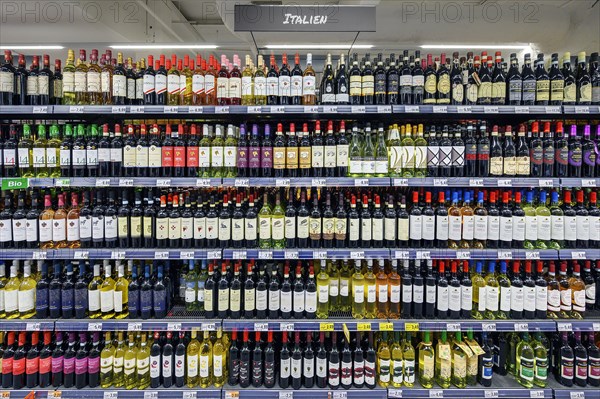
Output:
x,y
557,90
26,300
567,365
416,227
491,301
515,87
499,90
466,297
565,300
428,227
583,228
529,89
526,369
368,85
235,87
481,298
516,298
442,299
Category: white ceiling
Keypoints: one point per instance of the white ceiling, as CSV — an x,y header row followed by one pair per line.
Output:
x,y
547,25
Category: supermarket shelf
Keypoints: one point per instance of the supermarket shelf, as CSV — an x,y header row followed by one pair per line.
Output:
x,y
320,253
137,182
506,182
24,182
332,324
168,324
306,182
581,109
579,254
26,325
304,393
474,325
576,182
476,109
579,325
161,393
40,110
115,253
478,254
577,393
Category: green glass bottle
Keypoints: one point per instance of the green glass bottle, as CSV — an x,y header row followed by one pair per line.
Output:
x,y
426,362
420,153
53,152
395,152
504,283
358,292
492,289
230,150
408,354
355,153
459,362
277,224
408,151
345,276
384,361
368,153
540,371
544,222
531,223
443,361
381,154
397,371
264,224
525,362
204,152
322,292
217,149
25,153
558,223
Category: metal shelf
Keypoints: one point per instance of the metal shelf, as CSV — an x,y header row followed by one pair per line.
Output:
x,y
332,324
159,393
319,253
547,325
114,253
586,325
306,182
137,182
26,325
465,110
581,109
304,393
477,254
576,392
505,182
579,254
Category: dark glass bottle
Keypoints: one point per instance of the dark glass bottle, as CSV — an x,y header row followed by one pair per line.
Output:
x,y
418,80
584,81
515,83
529,82
589,154
380,77
542,94
575,153
69,363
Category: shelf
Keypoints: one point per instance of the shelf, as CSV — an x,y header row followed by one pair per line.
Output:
x,y
579,254
306,182
149,393
271,110
304,393
577,182
333,324
577,392
579,325
137,182
168,324
474,325
319,253
26,325
115,253
504,182
478,254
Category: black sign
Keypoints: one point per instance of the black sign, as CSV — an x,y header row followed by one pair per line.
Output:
x,y
315,18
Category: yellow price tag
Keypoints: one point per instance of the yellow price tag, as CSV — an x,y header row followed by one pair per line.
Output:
x,y
326,327
386,326
411,326
363,326
5,394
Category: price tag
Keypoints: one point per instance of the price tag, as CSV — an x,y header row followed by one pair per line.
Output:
x,y
582,110
134,326
40,255
532,254
209,327
150,394
261,326
386,326
265,254
190,394
174,326
330,109
81,255
359,109
117,254
110,395
32,326
241,183
196,110
577,394
161,255
436,393
171,109
202,182
565,327
54,394
578,255
255,109
505,255
186,255
595,327
119,109
546,183
136,109
282,182
440,182
363,326
384,109
440,109
320,254
40,109
521,326
521,110
490,109
232,394
213,255
125,182
463,254
394,393
318,182
412,109
286,394
340,395
588,182
76,109
401,182
423,255
239,255
411,327
163,182
311,109
278,110
490,393
357,254
95,327
102,182
488,326
325,326
401,255
361,182
461,109
453,326
62,182
476,182
536,394
291,254
286,326
553,110
505,183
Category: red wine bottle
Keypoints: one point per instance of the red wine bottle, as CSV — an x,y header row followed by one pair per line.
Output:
x,y
32,363
19,362
46,361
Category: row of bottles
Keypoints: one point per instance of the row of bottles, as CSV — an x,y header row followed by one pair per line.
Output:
x,y
300,150
409,80
301,218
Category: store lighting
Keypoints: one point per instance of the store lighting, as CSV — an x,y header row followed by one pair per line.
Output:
x,y
317,46
165,46
476,46
40,47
